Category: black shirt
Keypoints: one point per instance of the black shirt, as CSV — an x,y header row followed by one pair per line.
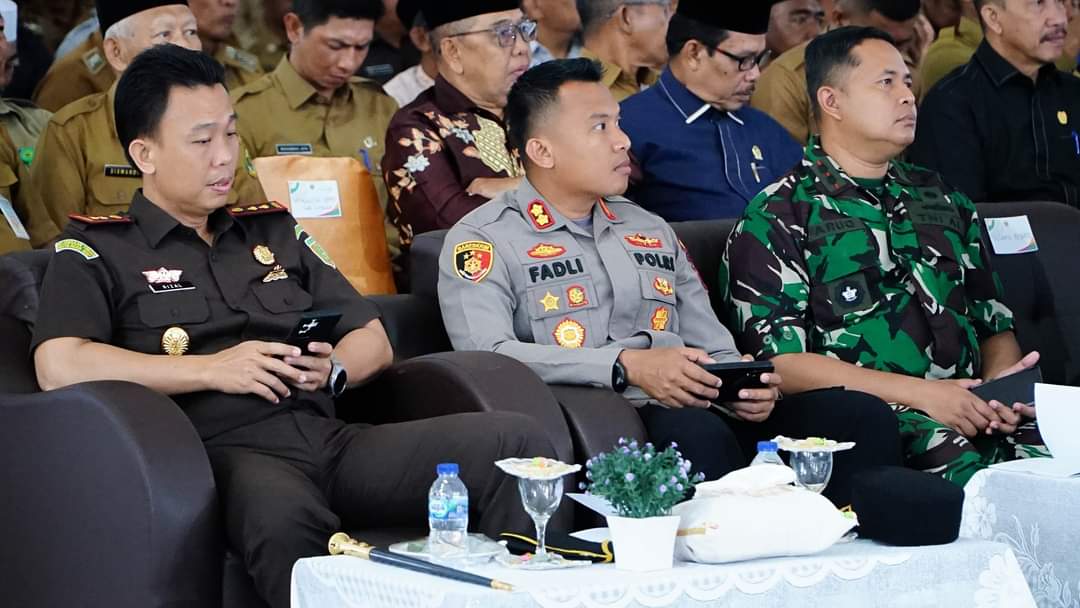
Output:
x,y
384,60
125,280
997,136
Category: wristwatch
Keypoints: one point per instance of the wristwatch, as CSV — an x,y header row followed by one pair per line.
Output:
x,y
618,377
338,380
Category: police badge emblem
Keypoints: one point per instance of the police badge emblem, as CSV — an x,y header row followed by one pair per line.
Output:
x,y
569,334
473,260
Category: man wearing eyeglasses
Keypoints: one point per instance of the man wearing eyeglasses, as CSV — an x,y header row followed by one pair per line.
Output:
x,y
700,151
627,38
446,152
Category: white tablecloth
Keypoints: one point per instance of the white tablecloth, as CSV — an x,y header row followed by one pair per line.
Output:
x,y
861,574
1039,518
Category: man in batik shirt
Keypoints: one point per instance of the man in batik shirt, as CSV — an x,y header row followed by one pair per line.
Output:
x,y
446,152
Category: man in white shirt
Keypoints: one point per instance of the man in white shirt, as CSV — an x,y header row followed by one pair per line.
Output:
x,y
406,86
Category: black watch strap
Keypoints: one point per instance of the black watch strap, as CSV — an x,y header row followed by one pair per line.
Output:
x,y
618,377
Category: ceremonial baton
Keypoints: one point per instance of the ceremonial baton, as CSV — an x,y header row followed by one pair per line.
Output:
x,y
342,544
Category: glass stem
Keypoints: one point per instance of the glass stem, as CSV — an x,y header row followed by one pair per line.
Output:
x,y
541,530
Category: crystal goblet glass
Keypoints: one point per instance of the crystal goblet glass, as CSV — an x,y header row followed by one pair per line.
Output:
x,y
813,469
541,498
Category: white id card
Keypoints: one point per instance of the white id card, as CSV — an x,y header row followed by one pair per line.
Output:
x,y
1011,235
314,198
13,219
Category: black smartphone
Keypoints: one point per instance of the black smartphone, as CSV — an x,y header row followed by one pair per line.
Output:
x,y
314,326
738,375
1017,388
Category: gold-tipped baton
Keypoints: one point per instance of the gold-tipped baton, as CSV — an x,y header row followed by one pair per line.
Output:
x,y
342,544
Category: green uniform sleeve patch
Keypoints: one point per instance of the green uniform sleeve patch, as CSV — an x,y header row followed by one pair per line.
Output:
x,y
78,247
319,252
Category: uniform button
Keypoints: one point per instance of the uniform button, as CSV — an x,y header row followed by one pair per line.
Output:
x,y
213,257
175,312
288,301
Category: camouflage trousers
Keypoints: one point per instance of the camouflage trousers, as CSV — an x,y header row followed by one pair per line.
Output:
x,y
933,447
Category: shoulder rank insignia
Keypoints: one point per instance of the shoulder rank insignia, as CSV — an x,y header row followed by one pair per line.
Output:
x,y
101,219
639,240
473,260
77,246
569,334
606,211
539,215
544,251
263,209
93,60
242,59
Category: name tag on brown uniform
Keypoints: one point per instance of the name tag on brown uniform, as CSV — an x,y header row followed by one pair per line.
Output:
x,y
286,149
122,171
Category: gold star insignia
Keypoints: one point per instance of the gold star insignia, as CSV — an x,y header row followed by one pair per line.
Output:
x,y
550,302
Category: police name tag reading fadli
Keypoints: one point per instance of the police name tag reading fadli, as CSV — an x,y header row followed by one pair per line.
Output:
x,y
1011,235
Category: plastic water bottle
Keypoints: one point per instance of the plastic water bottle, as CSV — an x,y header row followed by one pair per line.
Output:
x,y
767,454
448,512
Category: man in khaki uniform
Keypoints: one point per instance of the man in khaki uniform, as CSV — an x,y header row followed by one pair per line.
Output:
x,y
81,167
781,90
215,20
22,120
627,37
312,104
19,226
261,30
81,72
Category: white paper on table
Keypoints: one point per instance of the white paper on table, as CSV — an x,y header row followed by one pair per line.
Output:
x,y
598,504
314,198
1058,409
593,535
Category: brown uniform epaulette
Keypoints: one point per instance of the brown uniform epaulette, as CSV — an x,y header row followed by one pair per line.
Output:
x,y
263,209
101,219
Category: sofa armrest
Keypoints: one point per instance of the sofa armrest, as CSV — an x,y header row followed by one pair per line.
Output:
x,y
459,382
109,501
413,323
597,417
16,366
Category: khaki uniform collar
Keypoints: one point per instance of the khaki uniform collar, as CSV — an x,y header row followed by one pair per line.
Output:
x,y
297,90
614,75
969,33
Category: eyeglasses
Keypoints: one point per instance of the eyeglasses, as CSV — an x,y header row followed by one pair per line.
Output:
x,y
506,32
747,62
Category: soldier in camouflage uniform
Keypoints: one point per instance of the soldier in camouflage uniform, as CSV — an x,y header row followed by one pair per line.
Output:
x,y
861,270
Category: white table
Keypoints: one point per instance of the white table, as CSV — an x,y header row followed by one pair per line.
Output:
x,y
861,574
1039,518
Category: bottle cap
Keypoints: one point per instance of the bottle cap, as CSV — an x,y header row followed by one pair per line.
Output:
x,y
767,446
447,468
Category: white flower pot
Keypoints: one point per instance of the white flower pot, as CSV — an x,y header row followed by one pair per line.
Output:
x,y
643,544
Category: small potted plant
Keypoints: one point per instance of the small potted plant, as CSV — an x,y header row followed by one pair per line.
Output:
x,y
642,486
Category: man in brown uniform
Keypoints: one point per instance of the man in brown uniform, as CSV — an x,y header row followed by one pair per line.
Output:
x,y
215,21
262,31
446,152
195,298
81,167
312,103
781,90
19,226
628,38
81,72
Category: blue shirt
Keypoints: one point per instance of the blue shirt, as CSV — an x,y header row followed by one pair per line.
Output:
x,y
708,169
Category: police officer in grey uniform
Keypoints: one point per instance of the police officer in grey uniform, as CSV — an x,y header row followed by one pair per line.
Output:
x,y
589,289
